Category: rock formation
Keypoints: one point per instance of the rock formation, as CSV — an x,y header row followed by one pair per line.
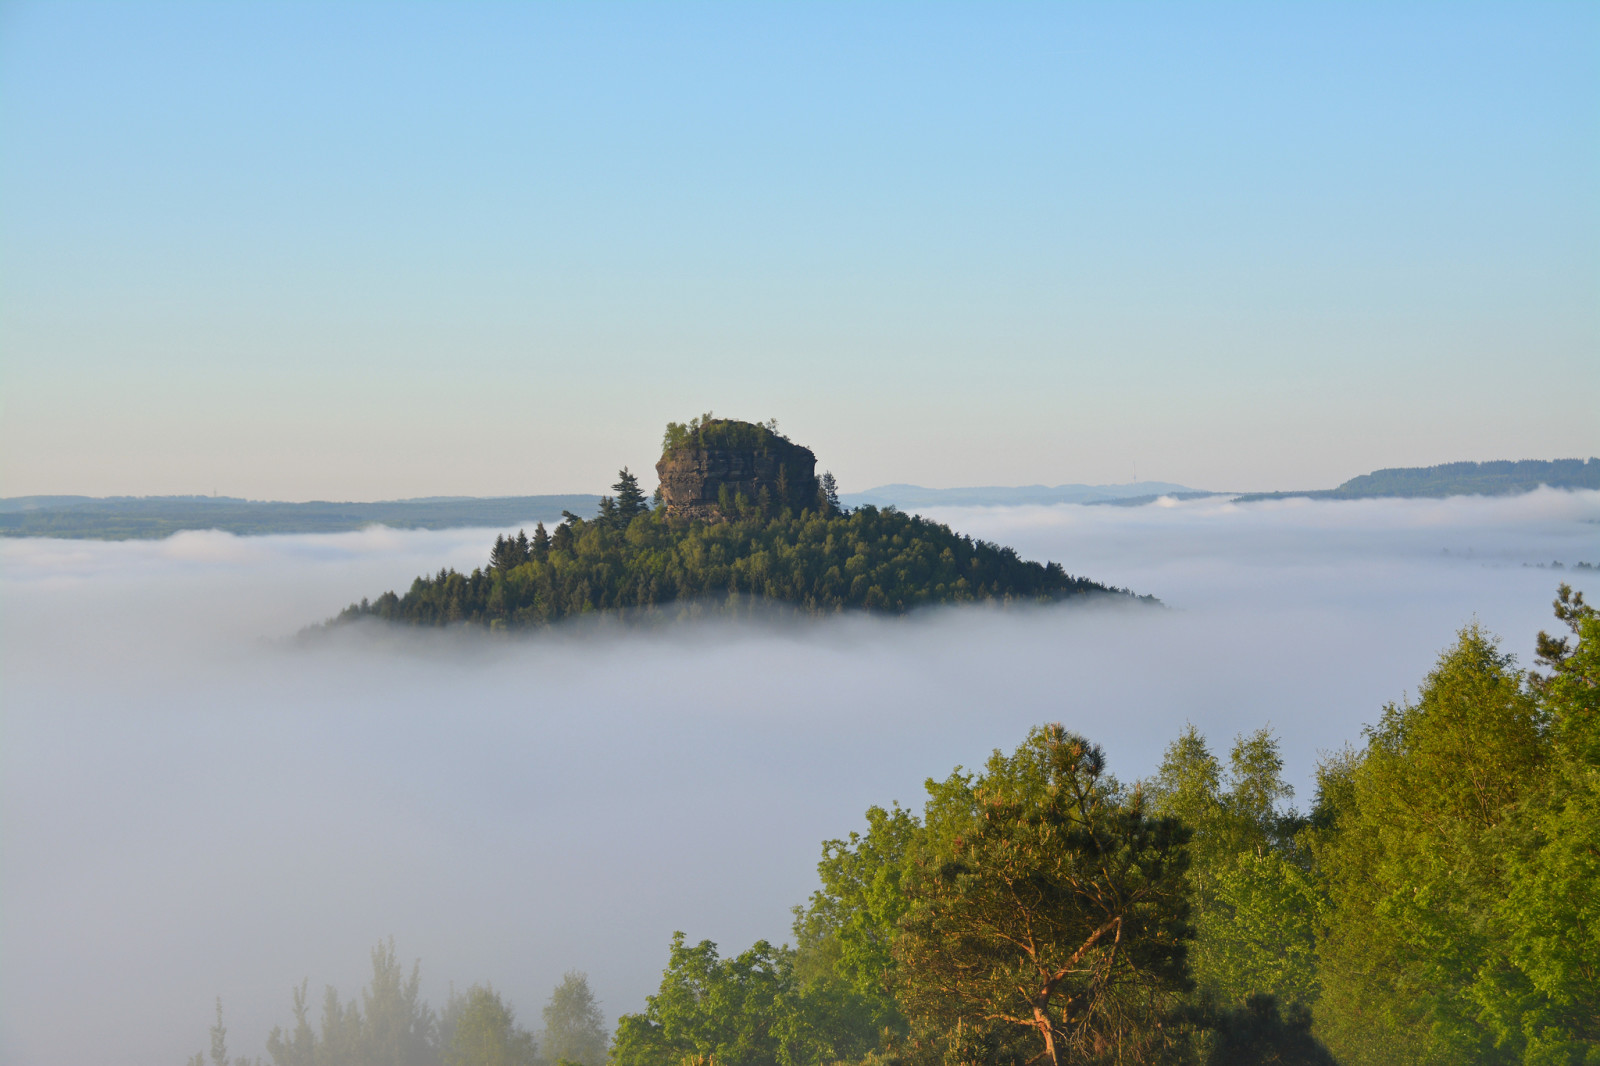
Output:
x,y
714,463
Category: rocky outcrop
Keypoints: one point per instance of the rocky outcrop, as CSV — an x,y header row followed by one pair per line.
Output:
x,y
706,481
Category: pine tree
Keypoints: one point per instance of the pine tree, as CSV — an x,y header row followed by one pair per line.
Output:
x,y
828,488
541,543
630,501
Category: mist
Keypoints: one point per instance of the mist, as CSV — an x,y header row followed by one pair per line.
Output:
x,y
197,803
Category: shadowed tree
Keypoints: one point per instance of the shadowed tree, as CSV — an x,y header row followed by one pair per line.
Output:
x,y
1047,915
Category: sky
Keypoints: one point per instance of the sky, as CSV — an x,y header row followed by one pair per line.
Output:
x,y
193,804
360,251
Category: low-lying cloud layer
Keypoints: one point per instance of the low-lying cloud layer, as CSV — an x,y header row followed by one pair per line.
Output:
x,y
195,804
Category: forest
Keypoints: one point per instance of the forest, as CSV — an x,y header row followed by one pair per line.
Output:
x,y
632,558
151,517
1500,477
1435,904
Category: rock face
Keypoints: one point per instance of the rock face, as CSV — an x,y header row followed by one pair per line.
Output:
x,y
704,480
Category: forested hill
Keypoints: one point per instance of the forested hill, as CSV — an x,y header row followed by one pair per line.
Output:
x,y
1499,478
633,558
136,517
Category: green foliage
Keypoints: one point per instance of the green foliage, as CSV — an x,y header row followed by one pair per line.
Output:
x,y
219,1047
574,1030
875,560
708,431
848,932
486,1033
749,1010
391,1024
1047,913
1546,997
1457,855
1255,898
828,494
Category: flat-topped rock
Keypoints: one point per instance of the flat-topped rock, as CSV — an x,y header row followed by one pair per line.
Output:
x,y
711,465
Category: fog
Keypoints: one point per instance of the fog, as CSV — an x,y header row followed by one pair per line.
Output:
x,y
197,804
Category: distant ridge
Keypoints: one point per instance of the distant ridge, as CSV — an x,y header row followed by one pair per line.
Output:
x,y
146,517
1501,477
904,496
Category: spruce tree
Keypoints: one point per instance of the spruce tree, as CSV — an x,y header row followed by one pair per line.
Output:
x,y
630,501
828,488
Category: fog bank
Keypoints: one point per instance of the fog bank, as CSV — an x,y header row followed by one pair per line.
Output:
x,y
196,804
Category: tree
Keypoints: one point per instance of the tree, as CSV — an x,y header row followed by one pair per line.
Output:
x,y
391,1025
509,552
708,1008
746,1010
631,501
1546,998
219,1046
486,1033
828,490
573,1027
850,928
398,1026
1415,864
1255,898
1047,914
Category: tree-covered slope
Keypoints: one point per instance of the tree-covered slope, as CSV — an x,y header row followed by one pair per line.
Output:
x,y
149,517
817,560
1499,478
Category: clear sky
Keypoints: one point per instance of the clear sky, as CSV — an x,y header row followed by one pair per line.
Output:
x,y
364,251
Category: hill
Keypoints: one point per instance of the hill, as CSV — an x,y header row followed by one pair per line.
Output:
x,y
140,517
740,518
911,496
1498,478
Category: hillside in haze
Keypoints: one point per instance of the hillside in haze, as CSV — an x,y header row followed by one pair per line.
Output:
x,y
141,517
1498,478
909,496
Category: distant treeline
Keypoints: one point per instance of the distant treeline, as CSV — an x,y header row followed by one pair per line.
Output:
x,y
1499,478
391,1025
142,517
632,557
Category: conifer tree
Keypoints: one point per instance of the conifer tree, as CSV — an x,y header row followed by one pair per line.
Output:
x,y
828,489
630,501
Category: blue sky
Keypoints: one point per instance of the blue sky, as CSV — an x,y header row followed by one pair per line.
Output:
x,y
361,251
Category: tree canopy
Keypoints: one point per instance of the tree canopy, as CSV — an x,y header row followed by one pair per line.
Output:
x,y
633,559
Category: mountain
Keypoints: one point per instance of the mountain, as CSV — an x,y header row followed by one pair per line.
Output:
x,y
740,519
137,517
907,497
1497,478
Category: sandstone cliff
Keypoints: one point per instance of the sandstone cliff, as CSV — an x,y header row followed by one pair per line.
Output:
x,y
703,475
